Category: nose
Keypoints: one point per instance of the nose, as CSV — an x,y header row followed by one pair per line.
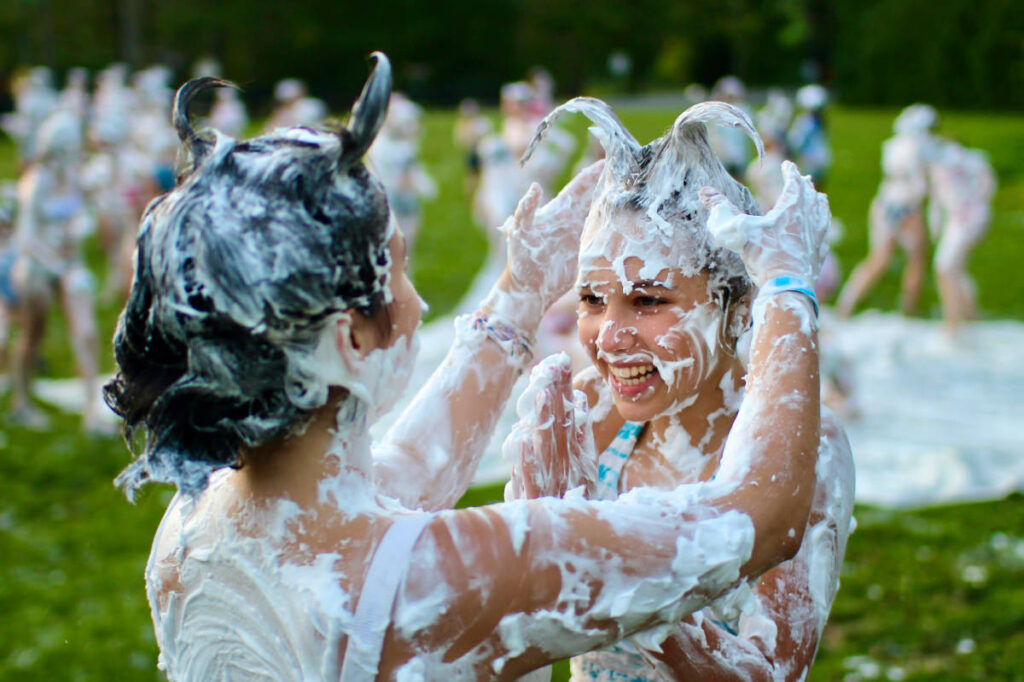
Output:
x,y
617,332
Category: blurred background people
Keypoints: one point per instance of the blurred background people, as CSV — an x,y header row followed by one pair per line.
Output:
x,y
294,106
807,137
52,220
963,184
896,214
394,155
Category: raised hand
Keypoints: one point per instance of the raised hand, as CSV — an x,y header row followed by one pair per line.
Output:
x,y
550,446
789,241
544,242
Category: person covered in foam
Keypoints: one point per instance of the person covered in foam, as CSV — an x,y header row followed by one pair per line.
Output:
x,y
680,281
271,321
51,225
896,215
963,184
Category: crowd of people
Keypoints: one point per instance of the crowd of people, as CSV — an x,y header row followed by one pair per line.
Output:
x,y
679,500
89,164
90,160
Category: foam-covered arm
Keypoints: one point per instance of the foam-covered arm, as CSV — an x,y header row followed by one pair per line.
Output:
x,y
526,583
776,626
428,458
771,450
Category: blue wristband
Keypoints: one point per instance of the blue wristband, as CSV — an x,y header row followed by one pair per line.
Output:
x,y
777,285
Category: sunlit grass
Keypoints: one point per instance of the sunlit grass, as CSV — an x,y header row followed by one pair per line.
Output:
x,y
917,587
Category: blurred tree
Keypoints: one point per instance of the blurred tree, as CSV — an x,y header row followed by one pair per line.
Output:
x,y
958,52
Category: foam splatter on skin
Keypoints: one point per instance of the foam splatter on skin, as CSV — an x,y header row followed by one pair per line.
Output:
x,y
255,573
778,622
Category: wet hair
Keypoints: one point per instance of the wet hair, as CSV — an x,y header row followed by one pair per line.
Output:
x,y
663,178
238,270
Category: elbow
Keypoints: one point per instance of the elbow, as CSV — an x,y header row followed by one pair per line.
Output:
x,y
791,541
789,532
779,532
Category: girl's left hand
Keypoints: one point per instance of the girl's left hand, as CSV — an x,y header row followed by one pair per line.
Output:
x,y
788,241
544,241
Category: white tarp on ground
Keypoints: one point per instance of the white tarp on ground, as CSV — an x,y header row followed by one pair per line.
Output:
x,y
940,421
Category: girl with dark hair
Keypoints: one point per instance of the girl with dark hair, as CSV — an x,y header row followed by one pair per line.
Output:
x,y
670,277
271,320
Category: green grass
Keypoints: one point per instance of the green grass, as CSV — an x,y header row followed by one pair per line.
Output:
x,y
916,585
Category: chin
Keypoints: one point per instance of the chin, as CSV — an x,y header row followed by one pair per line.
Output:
x,y
640,410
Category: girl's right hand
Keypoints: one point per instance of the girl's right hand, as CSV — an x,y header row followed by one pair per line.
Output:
x,y
549,447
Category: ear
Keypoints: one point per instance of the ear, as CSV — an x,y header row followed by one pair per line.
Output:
x,y
740,313
735,321
355,335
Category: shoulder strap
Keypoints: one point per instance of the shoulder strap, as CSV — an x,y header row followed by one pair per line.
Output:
x,y
611,461
373,613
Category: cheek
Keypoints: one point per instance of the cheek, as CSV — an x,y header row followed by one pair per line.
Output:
x,y
588,326
690,342
408,309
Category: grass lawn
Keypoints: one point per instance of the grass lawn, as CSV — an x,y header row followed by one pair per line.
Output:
x,y
931,594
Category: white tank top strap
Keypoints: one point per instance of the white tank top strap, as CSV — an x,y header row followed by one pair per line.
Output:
x,y
373,612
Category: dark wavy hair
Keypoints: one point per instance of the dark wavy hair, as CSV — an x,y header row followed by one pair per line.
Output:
x,y
237,270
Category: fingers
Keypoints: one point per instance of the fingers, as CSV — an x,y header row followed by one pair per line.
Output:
x,y
552,438
726,223
526,208
541,442
546,468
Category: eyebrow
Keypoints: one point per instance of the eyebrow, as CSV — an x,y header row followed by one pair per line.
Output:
x,y
651,283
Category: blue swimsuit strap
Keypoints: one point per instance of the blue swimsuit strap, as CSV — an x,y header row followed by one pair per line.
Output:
x,y
609,473
611,461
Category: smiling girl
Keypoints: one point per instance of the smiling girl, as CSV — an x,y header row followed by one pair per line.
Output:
x,y
669,316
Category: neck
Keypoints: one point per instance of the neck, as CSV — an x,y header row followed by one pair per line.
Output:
x,y
707,419
328,462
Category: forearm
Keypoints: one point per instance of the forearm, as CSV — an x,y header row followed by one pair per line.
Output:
x,y
429,457
771,451
538,581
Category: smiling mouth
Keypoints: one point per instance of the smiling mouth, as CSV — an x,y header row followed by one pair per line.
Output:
x,y
632,376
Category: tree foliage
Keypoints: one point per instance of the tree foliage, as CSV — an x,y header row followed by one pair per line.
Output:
x,y
958,52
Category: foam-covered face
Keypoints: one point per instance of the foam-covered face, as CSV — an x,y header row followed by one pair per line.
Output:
x,y
406,305
654,339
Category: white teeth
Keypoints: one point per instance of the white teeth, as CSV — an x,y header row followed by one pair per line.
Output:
x,y
630,376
